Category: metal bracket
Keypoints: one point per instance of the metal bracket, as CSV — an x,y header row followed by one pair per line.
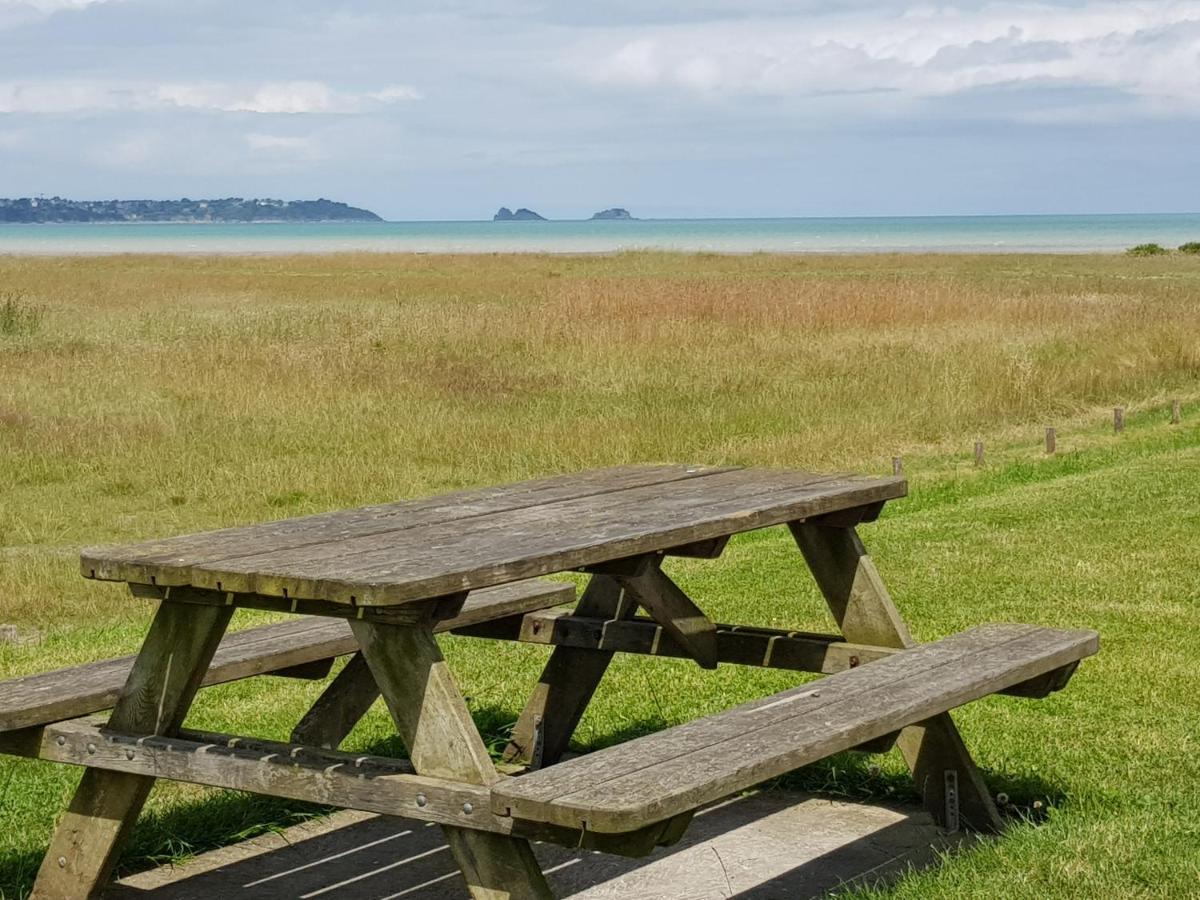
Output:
x,y
539,744
951,794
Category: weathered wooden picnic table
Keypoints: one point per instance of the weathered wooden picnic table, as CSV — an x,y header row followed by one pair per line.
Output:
x,y
384,579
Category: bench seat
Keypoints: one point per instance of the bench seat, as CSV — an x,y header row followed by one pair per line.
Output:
x,y
92,687
672,772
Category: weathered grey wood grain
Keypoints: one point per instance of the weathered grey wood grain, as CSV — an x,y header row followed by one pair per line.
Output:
x,y
347,780
81,690
664,774
168,561
436,727
441,559
567,683
162,682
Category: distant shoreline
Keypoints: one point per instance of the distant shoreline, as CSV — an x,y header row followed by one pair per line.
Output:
x,y
990,235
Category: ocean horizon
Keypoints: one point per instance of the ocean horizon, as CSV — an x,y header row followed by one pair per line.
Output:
x,y
1111,233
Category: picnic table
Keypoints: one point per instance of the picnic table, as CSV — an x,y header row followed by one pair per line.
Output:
x,y
377,583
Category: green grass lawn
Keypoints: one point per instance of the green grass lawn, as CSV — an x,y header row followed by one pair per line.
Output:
x,y
1103,779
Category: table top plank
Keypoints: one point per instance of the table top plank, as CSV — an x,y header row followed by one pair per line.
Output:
x,y
448,557
169,561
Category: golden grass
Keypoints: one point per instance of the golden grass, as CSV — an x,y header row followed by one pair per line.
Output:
x,y
165,394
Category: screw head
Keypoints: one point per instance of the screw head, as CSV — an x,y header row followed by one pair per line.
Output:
x,y
91,748
62,741
62,862
468,808
421,800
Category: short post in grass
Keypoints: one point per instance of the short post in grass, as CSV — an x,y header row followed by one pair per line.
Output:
x,y
1051,442
897,465
979,453
1175,412
1118,419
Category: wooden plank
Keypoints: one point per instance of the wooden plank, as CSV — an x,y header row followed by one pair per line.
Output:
x,y
81,690
865,613
169,561
442,741
161,684
668,605
440,559
736,644
567,683
682,768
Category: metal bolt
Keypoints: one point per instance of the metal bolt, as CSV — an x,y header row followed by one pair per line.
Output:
x,y
91,748
129,753
854,661
421,801
468,808
62,741
62,862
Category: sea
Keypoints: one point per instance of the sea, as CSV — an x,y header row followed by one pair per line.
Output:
x,y
893,234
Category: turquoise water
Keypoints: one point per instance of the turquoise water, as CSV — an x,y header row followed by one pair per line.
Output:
x,y
956,234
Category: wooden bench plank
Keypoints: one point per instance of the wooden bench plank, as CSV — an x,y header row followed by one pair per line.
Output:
x,y
81,690
664,774
167,562
441,559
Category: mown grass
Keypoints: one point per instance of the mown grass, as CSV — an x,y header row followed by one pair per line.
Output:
x,y
165,395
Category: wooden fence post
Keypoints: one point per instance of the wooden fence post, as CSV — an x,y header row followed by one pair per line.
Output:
x,y
979,453
1118,419
1050,442
1175,416
897,465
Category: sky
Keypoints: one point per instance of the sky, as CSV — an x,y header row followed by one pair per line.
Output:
x,y
448,109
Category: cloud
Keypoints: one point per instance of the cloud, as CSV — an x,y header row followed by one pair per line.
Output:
x,y
275,98
1149,50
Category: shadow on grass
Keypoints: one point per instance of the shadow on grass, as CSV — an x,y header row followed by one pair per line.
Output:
x,y
220,818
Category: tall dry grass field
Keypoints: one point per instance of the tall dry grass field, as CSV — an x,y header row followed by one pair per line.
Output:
x,y
158,394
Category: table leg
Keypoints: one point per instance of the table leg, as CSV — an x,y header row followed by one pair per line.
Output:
x,y
567,684
443,742
339,708
164,679
946,776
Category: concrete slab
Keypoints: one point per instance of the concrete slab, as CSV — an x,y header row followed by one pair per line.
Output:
x,y
766,846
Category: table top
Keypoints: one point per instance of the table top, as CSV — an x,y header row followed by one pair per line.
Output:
x,y
417,549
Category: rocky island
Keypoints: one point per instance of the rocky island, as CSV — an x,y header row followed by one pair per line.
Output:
x,y
228,209
615,213
504,214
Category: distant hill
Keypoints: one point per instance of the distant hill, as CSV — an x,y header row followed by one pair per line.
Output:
x,y
615,213
229,209
504,214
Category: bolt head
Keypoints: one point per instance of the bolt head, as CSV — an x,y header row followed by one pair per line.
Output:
x,y
62,862
91,748
62,741
468,808
129,753
421,800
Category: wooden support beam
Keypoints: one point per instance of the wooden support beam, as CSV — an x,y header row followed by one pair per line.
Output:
x,y
340,707
567,683
682,619
950,784
742,645
165,677
736,644
443,742
407,614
